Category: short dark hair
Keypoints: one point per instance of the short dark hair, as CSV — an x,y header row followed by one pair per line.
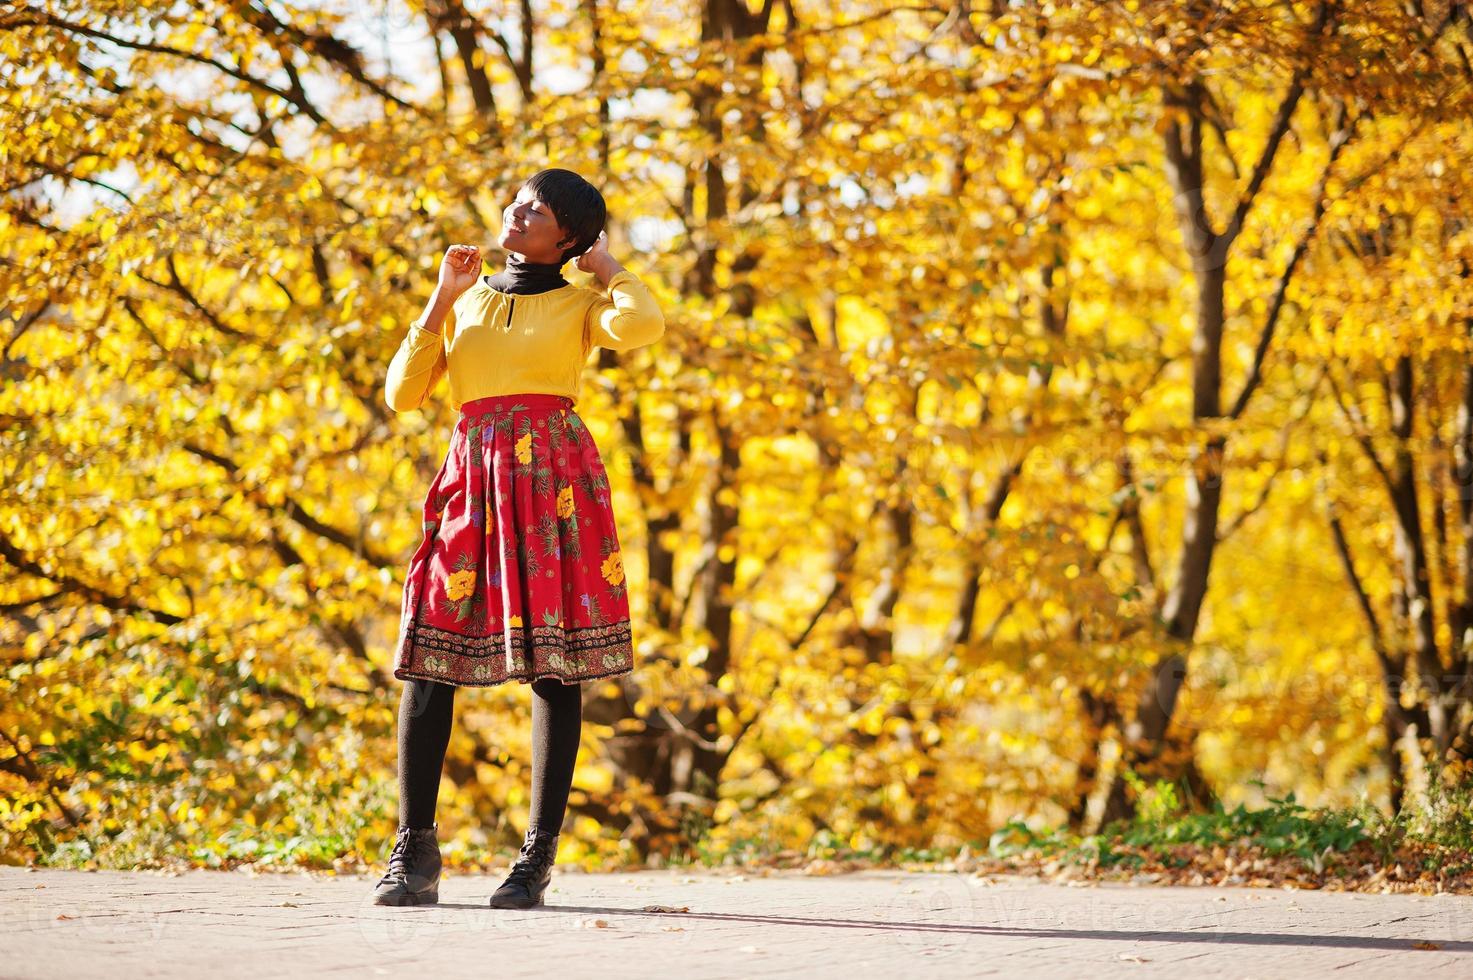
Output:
x,y
577,205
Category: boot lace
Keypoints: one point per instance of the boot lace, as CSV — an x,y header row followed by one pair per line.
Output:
x,y
536,855
408,847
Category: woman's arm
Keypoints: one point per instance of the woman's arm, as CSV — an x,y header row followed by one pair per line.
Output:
x,y
421,359
629,315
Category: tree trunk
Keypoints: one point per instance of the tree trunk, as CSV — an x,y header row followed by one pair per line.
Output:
x,y
1145,737
1411,552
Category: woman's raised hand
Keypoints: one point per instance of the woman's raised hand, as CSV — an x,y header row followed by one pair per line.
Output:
x,y
459,269
598,261
596,256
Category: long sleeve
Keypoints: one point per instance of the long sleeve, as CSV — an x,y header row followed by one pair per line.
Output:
x,y
627,317
419,363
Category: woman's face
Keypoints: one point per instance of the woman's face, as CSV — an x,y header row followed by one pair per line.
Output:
x,y
529,228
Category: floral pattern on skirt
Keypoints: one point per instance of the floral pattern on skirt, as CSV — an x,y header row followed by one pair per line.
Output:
x,y
519,575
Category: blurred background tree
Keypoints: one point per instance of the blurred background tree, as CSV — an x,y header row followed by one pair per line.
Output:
x,y
1051,392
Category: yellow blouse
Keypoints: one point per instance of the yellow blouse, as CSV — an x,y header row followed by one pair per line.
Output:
x,y
496,343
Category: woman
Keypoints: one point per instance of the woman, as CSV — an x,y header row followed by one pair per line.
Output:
x,y
519,575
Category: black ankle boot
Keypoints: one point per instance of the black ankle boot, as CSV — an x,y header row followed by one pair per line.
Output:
x,y
413,877
530,875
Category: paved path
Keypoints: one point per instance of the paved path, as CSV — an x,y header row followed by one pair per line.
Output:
x,y
218,924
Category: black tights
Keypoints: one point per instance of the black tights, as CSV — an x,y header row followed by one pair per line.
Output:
x,y
425,713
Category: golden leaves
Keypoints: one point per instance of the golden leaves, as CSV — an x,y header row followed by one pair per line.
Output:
x,y
947,300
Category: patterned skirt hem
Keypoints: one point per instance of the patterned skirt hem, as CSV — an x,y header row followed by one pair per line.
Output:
x,y
571,655
405,675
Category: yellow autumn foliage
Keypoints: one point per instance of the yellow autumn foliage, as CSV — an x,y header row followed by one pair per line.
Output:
x,y
1049,392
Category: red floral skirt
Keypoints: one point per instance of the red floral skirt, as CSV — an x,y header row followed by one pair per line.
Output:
x,y
519,575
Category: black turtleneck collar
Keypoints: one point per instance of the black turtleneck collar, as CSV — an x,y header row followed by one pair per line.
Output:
x,y
523,278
